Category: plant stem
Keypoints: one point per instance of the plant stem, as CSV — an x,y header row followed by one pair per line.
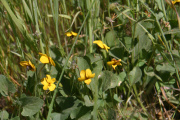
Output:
x,y
95,109
138,99
90,27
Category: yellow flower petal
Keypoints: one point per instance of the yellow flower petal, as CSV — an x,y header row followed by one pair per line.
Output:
x,y
48,78
88,81
73,33
118,63
45,87
24,63
52,87
68,34
99,43
53,80
82,75
51,61
114,66
28,64
41,54
174,2
89,74
44,59
32,67
114,63
110,62
48,83
106,47
43,81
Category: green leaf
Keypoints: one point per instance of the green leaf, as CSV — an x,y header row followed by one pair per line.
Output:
x,y
4,115
59,116
165,68
122,75
144,43
159,5
159,15
31,105
111,39
173,31
83,63
117,98
17,21
139,30
141,63
68,104
176,59
135,75
170,83
31,81
108,80
128,42
82,113
16,118
6,86
27,10
114,52
149,71
94,57
87,101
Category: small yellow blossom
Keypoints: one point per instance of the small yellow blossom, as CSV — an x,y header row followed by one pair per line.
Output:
x,y
101,45
174,2
28,65
46,59
114,63
86,75
48,83
69,34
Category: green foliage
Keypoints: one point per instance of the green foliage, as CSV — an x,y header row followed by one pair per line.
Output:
x,y
6,86
4,115
135,75
143,34
109,80
31,105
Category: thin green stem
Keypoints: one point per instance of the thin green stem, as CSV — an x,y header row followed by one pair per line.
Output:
x,y
56,90
164,10
138,99
62,25
55,9
37,25
90,27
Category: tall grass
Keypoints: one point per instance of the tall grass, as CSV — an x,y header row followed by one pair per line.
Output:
x,y
143,34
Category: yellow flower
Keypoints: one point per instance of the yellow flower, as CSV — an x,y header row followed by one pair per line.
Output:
x,y
69,34
48,83
46,59
114,63
173,2
86,75
101,45
28,65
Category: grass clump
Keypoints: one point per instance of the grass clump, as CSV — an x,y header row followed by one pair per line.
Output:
x,y
102,59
